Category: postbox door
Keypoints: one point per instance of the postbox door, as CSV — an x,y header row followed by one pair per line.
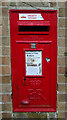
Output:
x,y
34,76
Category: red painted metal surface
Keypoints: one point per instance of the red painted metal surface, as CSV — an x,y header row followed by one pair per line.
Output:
x,y
34,93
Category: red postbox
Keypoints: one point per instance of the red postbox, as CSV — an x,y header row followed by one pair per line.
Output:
x,y
33,35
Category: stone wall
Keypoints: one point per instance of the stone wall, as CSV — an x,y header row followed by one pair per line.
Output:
x,y
5,60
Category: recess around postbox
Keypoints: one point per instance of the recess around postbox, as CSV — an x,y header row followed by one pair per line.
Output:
x,y
33,36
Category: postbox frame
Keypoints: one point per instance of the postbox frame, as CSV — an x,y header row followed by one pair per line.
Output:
x,y
14,76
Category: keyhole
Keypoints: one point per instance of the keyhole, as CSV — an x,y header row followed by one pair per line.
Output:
x,y
24,79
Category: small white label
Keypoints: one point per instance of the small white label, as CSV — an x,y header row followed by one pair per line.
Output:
x,y
47,59
30,16
33,62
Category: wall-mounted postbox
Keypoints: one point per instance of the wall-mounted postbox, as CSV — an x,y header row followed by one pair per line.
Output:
x,y
33,35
